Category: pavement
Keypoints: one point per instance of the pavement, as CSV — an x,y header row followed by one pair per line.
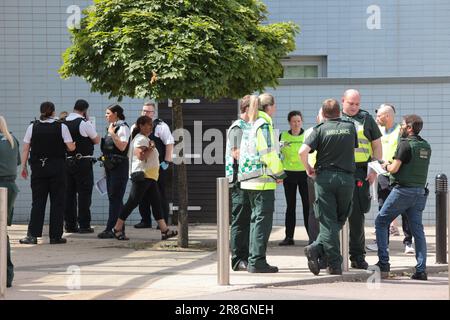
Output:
x,y
146,268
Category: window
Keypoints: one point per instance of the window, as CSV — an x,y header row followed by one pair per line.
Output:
x,y
300,67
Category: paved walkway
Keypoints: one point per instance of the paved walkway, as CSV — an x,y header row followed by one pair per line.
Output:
x,y
145,268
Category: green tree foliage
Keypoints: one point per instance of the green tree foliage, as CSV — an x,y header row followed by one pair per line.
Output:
x,y
178,48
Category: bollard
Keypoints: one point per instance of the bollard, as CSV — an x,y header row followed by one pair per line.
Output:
x,y
344,246
223,235
441,223
3,239
448,251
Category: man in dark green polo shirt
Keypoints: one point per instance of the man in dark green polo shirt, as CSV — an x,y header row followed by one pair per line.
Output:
x,y
335,141
9,160
369,149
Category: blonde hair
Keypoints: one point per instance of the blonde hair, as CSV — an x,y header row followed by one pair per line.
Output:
x,y
4,130
253,109
266,100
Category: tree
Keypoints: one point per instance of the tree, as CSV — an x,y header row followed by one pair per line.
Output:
x,y
178,49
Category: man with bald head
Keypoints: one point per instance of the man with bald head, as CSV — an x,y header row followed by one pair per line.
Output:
x,y
369,149
389,141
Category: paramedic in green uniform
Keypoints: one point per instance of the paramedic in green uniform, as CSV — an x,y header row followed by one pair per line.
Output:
x,y
335,140
369,149
241,211
290,142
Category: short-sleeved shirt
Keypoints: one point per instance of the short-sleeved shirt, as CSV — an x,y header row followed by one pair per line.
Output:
x,y
403,152
86,127
9,157
162,131
335,141
371,129
150,166
235,137
123,132
64,132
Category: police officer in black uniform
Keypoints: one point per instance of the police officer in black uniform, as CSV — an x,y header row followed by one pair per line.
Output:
x,y
45,144
114,147
164,142
79,172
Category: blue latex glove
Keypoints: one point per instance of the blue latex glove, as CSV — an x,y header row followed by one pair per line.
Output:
x,y
164,165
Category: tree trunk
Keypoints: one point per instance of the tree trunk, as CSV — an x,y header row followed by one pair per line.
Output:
x,y
183,237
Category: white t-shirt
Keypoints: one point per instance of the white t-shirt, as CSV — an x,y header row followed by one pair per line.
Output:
x,y
64,132
86,127
150,166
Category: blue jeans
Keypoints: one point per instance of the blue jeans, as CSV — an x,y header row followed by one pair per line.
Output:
x,y
411,201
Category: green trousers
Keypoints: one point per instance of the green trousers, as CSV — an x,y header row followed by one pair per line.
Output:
x,y
240,225
332,207
12,194
361,205
262,205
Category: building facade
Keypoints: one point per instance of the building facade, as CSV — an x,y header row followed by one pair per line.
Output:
x,y
392,51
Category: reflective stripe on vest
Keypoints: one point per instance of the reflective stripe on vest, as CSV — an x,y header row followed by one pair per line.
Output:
x,y
364,150
289,151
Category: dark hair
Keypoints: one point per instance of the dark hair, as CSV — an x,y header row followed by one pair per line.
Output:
x,y
81,105
244,103
414,121
331,109
115,108
293,114
47,109
140,122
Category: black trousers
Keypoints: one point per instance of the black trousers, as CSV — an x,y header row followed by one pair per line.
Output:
x,y
116,184
384,189
144,204
313,222
294,180
45,181
145,189
79,184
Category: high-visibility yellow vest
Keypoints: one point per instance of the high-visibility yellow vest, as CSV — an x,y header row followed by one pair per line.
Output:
x,y
290,146
259,164
364,150
389,142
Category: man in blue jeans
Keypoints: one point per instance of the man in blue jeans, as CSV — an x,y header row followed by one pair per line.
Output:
x,y
409,171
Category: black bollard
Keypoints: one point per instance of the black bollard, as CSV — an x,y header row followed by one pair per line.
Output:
x,y
441,218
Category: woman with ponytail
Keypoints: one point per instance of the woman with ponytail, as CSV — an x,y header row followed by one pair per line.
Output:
x,y
9,160
45,144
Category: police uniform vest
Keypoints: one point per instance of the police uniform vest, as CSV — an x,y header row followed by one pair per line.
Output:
x,y
259,164
84,145
47,141
364,151
109,148
415,172
231,164
159,144
389,142
291,144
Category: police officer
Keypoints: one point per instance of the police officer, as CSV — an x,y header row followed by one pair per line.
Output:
x,y
9,160
79,172
45,143
409,171
114,146
334,140
369,148
291,141
241,210
260,169
164,142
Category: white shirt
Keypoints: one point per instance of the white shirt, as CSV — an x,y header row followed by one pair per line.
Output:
x,y
162,131
150,166
86,127
64,132
124,132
